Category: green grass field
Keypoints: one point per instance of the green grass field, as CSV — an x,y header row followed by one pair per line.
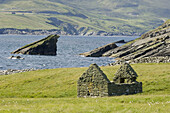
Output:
x,y
54,90
122,104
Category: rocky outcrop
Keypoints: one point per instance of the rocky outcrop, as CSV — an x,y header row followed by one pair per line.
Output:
x,y
101,51
46,46
155,43
15,57
152,60
120,41
143,60
98,52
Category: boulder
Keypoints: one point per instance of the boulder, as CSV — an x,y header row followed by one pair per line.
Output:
x,y
15,57
46,46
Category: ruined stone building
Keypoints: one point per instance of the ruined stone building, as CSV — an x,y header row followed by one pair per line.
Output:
x,y
94,83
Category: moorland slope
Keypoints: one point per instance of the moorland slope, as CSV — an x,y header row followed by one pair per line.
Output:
x,y
85,17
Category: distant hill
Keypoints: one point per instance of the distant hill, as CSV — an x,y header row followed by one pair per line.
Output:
x,y
82,17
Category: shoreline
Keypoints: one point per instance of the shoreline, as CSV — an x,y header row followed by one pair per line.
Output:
x,y
13,71
15,31
72,35
147,60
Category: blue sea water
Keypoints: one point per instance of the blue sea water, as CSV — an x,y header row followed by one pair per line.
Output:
x,y
68,48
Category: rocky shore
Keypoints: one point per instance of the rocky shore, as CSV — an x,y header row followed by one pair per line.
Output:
x,y
13,71
99,51
143,60
152,60
155,43
66,31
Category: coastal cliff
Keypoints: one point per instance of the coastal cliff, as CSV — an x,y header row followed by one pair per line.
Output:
x,y
46,46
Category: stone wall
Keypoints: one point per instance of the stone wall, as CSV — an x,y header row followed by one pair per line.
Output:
x,y
124,89
91,89
93,83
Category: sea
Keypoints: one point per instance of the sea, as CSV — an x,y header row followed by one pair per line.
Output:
x,y
68,50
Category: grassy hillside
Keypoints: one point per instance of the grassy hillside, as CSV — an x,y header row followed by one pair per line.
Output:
x,y
101,17
55,90
62,82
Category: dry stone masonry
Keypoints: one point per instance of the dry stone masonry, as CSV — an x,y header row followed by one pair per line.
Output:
x,y
125,72
94,83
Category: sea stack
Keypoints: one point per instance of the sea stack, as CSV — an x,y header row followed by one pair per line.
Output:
x,y
45,46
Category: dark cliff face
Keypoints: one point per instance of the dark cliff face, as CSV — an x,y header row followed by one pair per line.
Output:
x,y
46,46
154,43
